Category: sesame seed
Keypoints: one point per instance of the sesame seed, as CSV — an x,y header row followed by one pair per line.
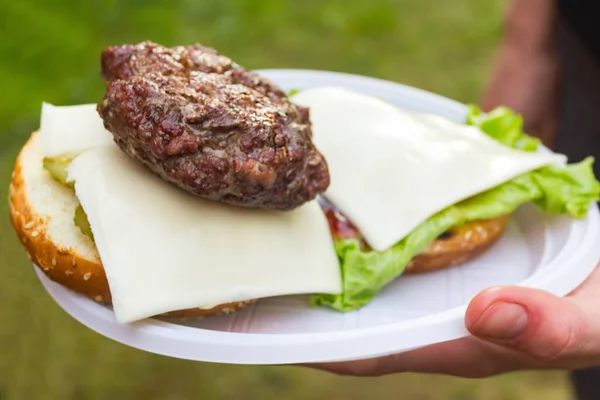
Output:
x,y
54,261
74,262
68,272
98,298
29,225
34,234
46,269
468,235
313,162
87,276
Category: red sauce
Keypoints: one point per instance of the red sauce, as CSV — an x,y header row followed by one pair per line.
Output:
x,y
339,225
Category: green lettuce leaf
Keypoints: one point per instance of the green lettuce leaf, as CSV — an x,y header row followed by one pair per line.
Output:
x,y
554,189
503,125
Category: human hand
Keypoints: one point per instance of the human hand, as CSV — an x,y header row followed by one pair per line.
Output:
x,y
513,328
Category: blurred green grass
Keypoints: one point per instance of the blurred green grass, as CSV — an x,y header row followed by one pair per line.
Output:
x,y
49,51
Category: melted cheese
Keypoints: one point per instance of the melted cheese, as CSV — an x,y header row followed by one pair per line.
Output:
x,y
70,130
165,250
391,169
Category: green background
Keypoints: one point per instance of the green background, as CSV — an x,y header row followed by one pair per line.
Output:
x,y
49,51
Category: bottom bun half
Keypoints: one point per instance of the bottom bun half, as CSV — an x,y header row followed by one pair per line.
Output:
x,y
42,212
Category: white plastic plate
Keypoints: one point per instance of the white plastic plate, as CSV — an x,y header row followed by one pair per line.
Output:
x,y
547,252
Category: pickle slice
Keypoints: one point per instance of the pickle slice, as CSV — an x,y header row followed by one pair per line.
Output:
x,y
57,167
81,221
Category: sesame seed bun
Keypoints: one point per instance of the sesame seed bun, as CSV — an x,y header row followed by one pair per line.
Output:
x,y
42,212
463,243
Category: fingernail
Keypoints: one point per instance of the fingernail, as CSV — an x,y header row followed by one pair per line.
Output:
x,y
501,321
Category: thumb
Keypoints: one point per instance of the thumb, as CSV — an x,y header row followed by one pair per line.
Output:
x,y
535,323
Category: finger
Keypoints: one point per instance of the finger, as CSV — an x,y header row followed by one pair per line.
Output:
x,y
549,329
466,357
472,357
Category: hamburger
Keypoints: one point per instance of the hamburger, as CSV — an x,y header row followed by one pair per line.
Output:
x,y
196,187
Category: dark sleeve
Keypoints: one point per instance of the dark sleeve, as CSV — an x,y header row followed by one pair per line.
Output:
x,y
578,102
582,17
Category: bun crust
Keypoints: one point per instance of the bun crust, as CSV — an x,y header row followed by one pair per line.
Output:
x,y
464,243
67,265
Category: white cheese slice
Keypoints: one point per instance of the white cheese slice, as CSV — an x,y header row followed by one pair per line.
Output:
x,y
70,130
391,169
165,250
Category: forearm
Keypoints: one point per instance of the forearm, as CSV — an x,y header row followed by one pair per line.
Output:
x,y
525,71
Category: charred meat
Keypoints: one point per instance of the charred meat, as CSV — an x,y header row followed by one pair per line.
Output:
x,y
123,62
211,127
